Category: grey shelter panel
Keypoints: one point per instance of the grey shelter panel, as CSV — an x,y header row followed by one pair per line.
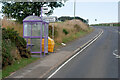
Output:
x,y
35,45
27,29
36,29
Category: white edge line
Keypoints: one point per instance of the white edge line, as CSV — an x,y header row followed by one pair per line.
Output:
x,y
87,42
115,54
74,56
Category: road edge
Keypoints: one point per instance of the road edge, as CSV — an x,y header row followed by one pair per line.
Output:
x,y
59,65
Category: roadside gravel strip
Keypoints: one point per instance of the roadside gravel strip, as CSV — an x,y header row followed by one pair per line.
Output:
x,y
78,51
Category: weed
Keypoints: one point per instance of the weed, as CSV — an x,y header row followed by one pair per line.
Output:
x,y
65,31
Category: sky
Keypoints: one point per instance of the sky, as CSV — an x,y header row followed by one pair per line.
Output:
x,y
104,11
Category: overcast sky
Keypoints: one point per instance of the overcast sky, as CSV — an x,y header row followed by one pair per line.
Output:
x,y
104,11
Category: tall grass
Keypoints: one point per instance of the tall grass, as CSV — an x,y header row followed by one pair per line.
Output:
x,y
72,27
6,23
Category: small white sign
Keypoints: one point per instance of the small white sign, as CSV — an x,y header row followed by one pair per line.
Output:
x,y
50,18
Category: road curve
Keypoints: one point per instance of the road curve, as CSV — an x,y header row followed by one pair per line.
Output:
x,y
96,61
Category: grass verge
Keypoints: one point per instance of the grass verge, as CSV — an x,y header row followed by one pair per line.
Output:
x,y
0,74
17,65
74,36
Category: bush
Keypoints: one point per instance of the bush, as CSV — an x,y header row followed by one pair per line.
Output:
x,y
65,31
10,40
77,27
6,56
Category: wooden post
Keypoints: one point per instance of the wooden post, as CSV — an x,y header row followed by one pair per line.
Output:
x,y
53,31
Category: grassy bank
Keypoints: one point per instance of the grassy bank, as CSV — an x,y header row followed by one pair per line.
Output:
x,y
17,65
73,37
64,32
12,24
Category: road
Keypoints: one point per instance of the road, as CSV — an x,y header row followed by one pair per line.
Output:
x,y
96,61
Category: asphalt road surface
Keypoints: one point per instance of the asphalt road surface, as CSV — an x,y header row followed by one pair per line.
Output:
x,y
96,61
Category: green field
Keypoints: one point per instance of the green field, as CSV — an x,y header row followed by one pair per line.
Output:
x,y
106,24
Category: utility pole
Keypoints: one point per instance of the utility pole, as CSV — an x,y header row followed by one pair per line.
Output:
x,y
1,20
74,7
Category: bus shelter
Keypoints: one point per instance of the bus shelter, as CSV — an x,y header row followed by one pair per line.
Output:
x,y
35,31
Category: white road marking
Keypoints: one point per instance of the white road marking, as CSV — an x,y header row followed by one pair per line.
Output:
x,y
114,53
75,55
118,32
